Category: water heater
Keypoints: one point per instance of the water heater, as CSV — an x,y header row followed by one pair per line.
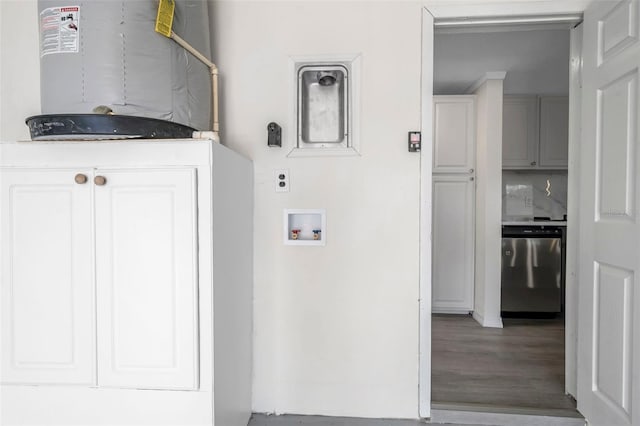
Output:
x,y
106,52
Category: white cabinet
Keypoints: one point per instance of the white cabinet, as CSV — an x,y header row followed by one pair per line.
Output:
x,y
535,132
454,134
554,131
146,278
111,254
453,243
47,277
454,155
519,131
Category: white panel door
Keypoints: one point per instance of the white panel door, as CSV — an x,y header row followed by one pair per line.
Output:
x,y
46,277
554,131
609,257
454,133
453,243
519,131
146,274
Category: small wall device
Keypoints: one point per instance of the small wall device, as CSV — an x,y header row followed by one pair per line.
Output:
x,y
415,139
274,134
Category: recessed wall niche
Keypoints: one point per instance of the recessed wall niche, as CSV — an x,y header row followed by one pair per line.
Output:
x,y
305,227
325,103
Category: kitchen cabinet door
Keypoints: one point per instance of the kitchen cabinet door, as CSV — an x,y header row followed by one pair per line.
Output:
x,y
146,269
519,131
554,131
46,277
454,133
453,243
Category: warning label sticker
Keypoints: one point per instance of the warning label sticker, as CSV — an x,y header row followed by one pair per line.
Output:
x,y
164,19
59,30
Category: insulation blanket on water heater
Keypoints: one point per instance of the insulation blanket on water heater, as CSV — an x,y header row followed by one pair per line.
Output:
x,y
106,52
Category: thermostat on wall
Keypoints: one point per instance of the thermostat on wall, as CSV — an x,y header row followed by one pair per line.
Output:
x,y
415,139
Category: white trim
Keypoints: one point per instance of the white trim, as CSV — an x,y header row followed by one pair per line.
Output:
x,y
569,19
489,75
453,311
424,356
487,322
459,9
573,212
503,28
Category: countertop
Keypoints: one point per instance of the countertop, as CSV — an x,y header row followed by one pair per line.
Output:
x,y
536,223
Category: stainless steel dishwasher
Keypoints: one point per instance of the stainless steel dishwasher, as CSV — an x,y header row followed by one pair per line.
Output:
x,y
532,270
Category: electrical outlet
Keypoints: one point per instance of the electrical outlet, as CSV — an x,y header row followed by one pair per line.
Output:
x,y
282,180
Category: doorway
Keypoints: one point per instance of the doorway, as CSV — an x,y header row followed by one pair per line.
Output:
x,y
536,60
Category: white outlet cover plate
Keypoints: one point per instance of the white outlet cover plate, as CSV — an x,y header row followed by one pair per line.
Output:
x,y
277,180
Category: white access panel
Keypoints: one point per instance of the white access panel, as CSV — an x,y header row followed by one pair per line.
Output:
x,y
47,277
146,269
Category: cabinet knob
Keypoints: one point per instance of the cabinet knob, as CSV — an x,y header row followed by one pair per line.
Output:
x,y
533,163
470,170
100,180
80,178
472,178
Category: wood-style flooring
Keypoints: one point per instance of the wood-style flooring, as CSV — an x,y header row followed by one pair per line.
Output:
x,y
291,420
470,420
518,366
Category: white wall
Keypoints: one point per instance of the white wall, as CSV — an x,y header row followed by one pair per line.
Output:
x,y
336,327
19,67
488,203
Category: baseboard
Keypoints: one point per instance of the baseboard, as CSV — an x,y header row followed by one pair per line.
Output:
x,y
452,311
487,322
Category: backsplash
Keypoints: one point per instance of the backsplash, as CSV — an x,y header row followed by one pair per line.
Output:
x,y
529,193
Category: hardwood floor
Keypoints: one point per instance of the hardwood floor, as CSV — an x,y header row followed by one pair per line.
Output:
x,y
293,420
470,420
518,366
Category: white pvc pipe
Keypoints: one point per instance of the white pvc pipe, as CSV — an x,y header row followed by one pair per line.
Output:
x,y
214,76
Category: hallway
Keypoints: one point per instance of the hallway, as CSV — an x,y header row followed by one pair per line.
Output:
x,y
518,366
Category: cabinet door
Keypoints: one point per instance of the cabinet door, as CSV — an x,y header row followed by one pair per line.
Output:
x,y
454,134
46,277
146,274
519,131
554,131
453,243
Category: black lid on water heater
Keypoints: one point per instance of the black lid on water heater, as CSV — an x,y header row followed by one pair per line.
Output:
x,y
103,126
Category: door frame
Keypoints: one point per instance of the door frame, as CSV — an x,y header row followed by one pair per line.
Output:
x,y
425,285
424,354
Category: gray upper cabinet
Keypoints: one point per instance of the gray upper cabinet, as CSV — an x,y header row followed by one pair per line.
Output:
x,y
535,132
519,131
554,131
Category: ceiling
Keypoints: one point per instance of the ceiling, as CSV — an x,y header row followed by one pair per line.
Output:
x,y
536,61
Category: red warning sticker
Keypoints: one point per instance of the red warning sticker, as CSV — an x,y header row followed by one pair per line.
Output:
x,y
59,30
